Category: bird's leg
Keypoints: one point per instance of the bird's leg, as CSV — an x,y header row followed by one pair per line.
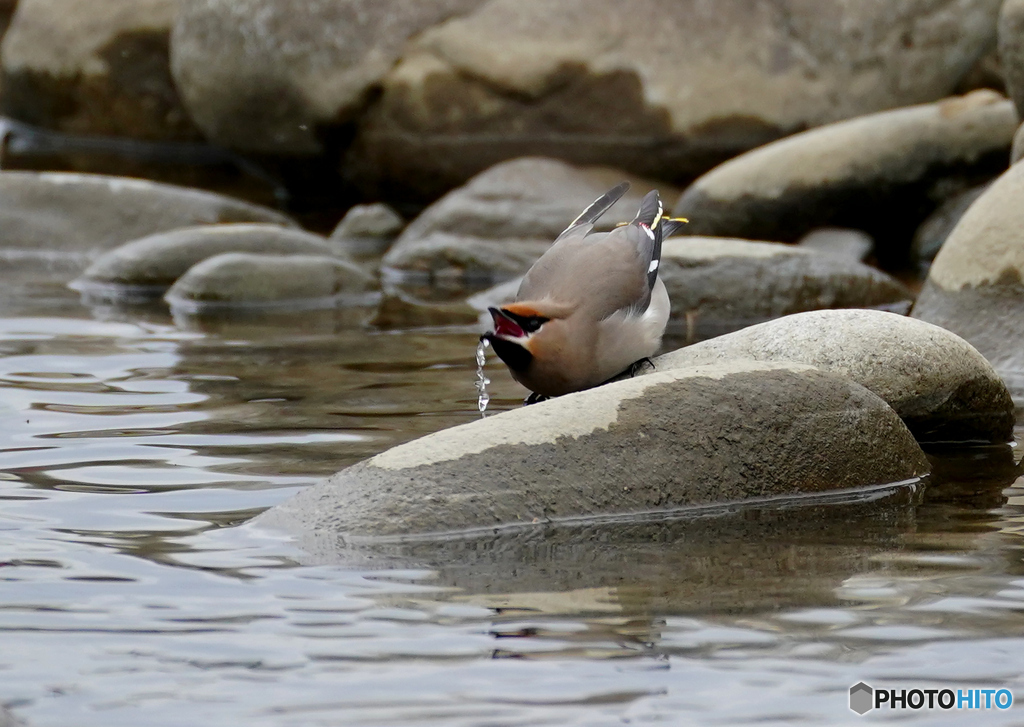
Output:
x,y
534,398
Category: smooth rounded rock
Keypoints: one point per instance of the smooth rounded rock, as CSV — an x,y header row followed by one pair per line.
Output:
x,y
880,173
665,89
718,284
150,265
238,279
974,287
54,213
94,67
501,221
367,230
269,75
934,380
732,432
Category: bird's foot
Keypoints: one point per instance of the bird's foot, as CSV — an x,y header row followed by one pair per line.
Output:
x,y
638,366
534,398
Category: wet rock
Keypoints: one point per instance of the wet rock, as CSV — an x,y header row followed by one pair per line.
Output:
x,y
238,279
86,214
718,285
663,89
258,76
764,556
933,232
839,241
882,173
974,286
367,230
146,267
941,387
93,67
502,220
731,432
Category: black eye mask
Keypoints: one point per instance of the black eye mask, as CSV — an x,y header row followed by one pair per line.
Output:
x,y
529,324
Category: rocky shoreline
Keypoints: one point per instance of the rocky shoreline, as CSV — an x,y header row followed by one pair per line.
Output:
x,y
820,193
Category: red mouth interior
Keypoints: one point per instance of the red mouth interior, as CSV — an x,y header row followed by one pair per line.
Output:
x,y
506,327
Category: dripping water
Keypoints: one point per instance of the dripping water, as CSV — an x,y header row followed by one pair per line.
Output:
x,y
483,398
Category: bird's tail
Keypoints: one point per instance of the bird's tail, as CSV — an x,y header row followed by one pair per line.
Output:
x,y
672,225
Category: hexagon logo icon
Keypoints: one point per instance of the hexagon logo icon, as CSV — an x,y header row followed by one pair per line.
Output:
x,y
861,698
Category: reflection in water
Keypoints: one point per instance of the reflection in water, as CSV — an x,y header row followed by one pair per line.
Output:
x,y
133,590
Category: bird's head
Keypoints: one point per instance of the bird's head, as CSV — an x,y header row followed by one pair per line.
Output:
x,y
513,337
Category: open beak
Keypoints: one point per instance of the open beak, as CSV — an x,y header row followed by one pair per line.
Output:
x,y
504,326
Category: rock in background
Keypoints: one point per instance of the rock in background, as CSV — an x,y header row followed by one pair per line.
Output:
x,y
882,173
1011,49
717,285
498,224
662,88
247,281
269,76
93,67
148,266
974,287
367,230
84,215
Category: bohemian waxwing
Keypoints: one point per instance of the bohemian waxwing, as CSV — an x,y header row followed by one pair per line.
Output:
x,y
592,307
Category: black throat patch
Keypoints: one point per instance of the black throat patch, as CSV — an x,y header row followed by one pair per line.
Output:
x,y
515,356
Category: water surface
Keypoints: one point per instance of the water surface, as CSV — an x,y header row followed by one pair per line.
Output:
x,y
134,449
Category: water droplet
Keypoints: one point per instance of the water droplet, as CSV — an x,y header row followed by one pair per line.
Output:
x,y
483,398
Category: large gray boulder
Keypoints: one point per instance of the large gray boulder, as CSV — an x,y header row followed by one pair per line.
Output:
x,y
502,220
718,284
239,280
882,173
93,67
732,432
146,267
974,287
663,88
86,214
941,387
268,75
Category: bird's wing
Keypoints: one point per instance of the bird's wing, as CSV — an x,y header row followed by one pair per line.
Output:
x,y
602,273
593,213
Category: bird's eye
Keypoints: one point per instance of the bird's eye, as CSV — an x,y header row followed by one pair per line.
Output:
x,y
533,323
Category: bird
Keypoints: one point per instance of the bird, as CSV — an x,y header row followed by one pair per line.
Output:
x,y
592,307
